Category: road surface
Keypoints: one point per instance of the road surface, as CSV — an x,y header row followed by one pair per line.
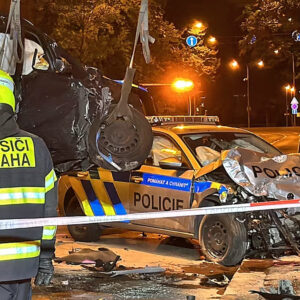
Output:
x,y
284,138
186,274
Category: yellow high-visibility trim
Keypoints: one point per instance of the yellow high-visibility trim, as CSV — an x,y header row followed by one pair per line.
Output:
x,y
17,152
22,201
7,90
49,232
50,179
103,197
216,185
12,251
22,190
81,196
87,208
22,195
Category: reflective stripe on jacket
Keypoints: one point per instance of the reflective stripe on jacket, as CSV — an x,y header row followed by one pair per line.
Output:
x,y
28,189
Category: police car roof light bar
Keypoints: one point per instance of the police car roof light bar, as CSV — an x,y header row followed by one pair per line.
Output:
x,y
204,120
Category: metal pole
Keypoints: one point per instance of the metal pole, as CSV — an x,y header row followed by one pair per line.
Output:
x,y
190,105
286,109
294,74
294,85
248,98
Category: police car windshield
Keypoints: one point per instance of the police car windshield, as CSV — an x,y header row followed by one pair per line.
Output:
x,y
207,147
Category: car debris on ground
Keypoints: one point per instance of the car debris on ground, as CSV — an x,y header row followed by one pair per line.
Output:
x,y
285,291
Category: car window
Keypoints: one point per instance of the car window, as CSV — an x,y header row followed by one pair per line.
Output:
x,y
9,62
162,148
207,147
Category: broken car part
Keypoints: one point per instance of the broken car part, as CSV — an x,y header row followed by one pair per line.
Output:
x,y
71,106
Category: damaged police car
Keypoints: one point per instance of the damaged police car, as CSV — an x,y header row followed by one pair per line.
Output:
x,y
196,163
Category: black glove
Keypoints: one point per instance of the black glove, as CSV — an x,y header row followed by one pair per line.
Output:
x,y
45,272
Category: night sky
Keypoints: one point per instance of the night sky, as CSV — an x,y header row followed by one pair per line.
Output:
x,y
226,96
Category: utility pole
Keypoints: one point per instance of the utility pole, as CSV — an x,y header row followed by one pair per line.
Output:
x,y
286,107
248,97
294,73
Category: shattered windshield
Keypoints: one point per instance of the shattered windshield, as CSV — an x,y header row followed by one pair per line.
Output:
x,y
207,147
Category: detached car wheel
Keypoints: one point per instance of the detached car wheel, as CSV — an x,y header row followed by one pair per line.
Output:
x,y
124,142
81,233
223,239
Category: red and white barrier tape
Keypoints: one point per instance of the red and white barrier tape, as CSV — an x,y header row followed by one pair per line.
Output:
x,y
224,209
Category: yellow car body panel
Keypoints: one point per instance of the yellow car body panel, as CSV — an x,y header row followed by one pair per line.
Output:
x,y
149,188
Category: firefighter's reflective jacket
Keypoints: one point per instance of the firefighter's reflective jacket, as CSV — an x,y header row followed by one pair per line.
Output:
x,y
27,190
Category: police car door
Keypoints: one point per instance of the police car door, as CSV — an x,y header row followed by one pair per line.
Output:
x,y
156,188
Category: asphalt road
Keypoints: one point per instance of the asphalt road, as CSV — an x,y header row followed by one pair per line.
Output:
x,y
186,273
285,139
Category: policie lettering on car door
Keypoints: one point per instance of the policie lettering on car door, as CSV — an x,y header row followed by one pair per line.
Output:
x,y
153,188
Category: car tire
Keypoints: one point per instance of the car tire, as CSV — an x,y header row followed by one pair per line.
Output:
x,y
223,239
81,233
129,153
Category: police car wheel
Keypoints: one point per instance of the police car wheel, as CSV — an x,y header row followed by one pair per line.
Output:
x,y
81,233
223,239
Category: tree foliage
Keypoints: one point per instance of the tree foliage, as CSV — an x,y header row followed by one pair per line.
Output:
x,y
268,27
101,34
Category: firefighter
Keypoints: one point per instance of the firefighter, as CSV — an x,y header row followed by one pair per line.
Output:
x,y
27,190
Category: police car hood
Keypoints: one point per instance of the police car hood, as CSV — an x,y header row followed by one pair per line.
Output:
x,y
264,175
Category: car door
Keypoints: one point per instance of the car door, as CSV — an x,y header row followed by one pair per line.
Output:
x,y
153,188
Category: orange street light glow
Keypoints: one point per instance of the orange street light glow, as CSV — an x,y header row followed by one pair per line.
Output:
x,y
212,40
182,85
199,25
260,63
292,89
276,51
234,64
287,87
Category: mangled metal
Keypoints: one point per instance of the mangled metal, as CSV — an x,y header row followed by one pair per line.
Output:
x,y
70,106
263,175
250,175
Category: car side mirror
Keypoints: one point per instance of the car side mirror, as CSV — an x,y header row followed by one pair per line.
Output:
x,y
171,163
62,66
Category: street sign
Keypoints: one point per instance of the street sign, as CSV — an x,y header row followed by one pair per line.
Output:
x,y
294,106
191,41
296,36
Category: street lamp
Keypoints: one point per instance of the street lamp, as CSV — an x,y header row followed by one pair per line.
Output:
x,y
212,40
287,88
199,25
292,90
260,64
234,65
184,86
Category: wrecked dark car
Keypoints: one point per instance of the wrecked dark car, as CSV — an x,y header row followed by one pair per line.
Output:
x,y
69,105
191,166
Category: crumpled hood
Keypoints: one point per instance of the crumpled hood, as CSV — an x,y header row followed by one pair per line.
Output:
x,y
263,175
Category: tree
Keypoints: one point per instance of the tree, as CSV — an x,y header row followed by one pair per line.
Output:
x,y
268,27
100,33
